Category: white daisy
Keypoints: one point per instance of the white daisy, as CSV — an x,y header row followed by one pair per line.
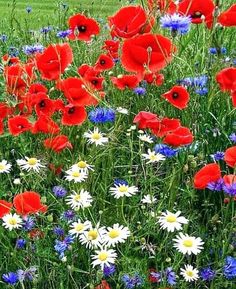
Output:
x,y
79,227
148,199
145,138
93,237
96,137
12,221
82,166
153,157
121,190
104,257
83,199
172,221
187,244
122,110
116,234
76,175
5,167
28,164
189,273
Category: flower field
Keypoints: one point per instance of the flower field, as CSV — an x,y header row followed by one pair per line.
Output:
x,y
118,144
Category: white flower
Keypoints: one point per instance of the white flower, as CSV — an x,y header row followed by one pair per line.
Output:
x,y
5,167
153,157
172,221
145,138
12,221
122,190
17,181
83,199
96,137
148,199
189,273
93,237
122,110
82,166
104,257
77,176
29,164
79,227
187,244
116,234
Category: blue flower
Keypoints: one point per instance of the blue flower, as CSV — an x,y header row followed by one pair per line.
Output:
x,y
218,156
28,274
229,268
213,50
216,186
46,30
118,182
109,270
61,246
32,49
176,23
68,215
3,38
58,231
28,223
207,274
232,137
230,189
165,150
139,90
202,91
20,243
64,33
28,9
13,51
59,191
10,278
102,115
170,275
133,281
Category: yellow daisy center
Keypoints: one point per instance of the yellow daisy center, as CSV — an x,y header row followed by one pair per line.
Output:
x,y
188,243
153,157
75,174
32,161
171,219
189,273
2,167
77,197
79,227
96,136
114,234
12,221
82,165
92,234
123,189
103,256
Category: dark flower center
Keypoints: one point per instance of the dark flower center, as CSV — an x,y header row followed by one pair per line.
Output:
x,y
102,62
94,82
42,103
196,14
20,126
71,110
82,28
175,95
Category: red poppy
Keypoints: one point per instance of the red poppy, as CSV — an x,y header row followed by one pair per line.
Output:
x,y
178,96
227,79
130,21
163,126
5,110
36,234
35,88
1,126
233,97
199,11
5,208
28,203
228,17
103,63
146,53
86,70
103,285
230,156
43,104
18,124
180,136
58,143
162,5
54,60
143,118
96,83
125,81
207,174
154,78
229,179
82,27
73,115
8,60
45,124
112,47
57,170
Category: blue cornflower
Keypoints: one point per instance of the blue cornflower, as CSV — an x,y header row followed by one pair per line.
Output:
x,y
28,274
32,49
232,137
218,156
229,268
165,150
13,51
201,90
10,278
223,50
68,215
207,274
176,23
3,37
216,186
197,81
45,30
61,246
118,182
28,9
28,223
59,191
139,90
58,231
133,281
170,276
109,270
20,243
213,50
102,115
64,33
230,189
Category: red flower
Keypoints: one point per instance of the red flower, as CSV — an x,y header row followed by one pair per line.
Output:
x,y
146,53
130,21
178,96
228,17
163,126
96,83
143,118
227,79
154,78
5,208
230,156
125,81
103,285
35,88
180,136
151,277
1,126
45,124
28,203
36,234
58,143
18,124
83,28
86,70
57,170
112,47
199,11
103,63
233,97
229,179
54,60
5,110
73,115
207,174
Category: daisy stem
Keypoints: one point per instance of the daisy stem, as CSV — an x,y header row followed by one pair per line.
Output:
x,y
122,211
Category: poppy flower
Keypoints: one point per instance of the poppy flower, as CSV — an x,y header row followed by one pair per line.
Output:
x,y
112,47
95,82
9,60
154,78
86,70
144,117
28,203
146,53
207,174
43,104
103,285
5,110
227,79
57,170
45,124
82,27
233,97
228,17
54,60
18,124
35,88
180,136
178,96
15,81
163,126
1,126
229,179
103,63
58,143
5,208
230,156
73,115
125,81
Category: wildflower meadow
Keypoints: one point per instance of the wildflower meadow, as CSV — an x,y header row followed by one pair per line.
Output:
x,y
118,144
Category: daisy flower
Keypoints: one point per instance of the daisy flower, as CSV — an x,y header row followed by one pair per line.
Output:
x,y
121,190
104,257
77,175
82,166
12,221
95,137
122,110
189,273
28,164
188,245
83,199
93,237
148,199
79,227
145,138
153,157
5,167
116,234
171,221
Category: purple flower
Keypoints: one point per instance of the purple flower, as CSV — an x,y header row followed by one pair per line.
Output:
x,y
218,156
207,274
216,186
10,278
28,223
229,268
170,276
20,243
58,231
109,270
232,137
59,191
132,281
68,215
64,33
230,189
139,90
176,23
28,274
32,49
